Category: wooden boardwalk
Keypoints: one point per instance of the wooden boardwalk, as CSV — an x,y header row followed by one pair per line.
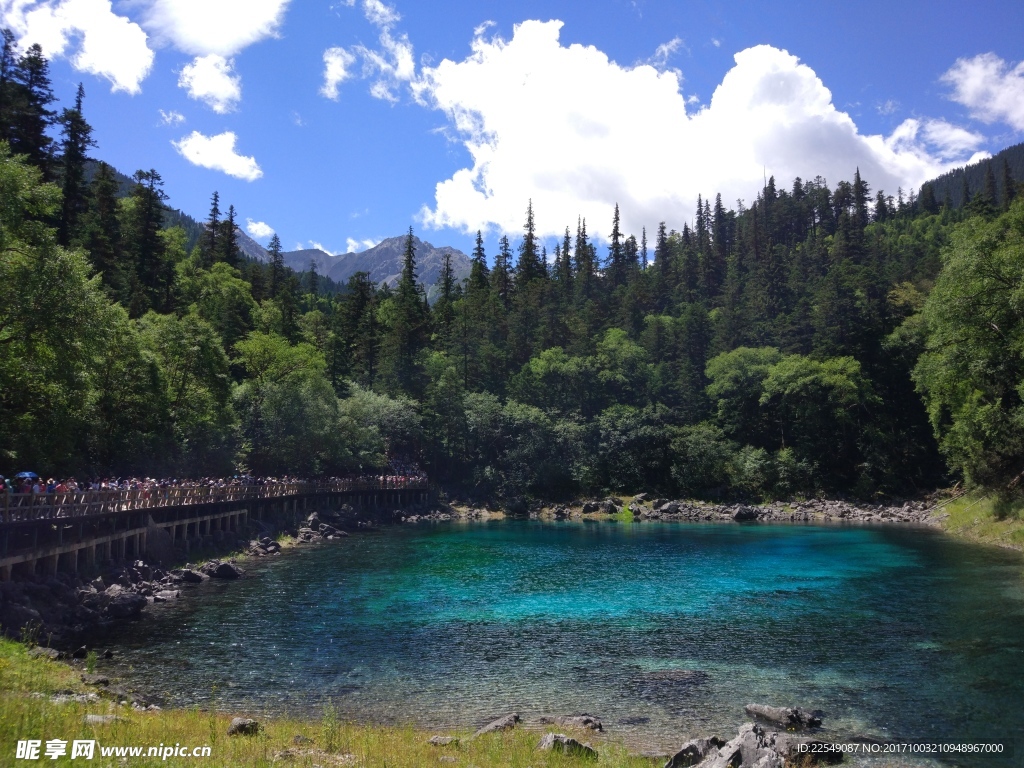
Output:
x,y
27,507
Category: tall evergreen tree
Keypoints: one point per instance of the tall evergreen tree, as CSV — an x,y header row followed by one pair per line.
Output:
x,y
209,245
32,116
227,241
75,142
479,273
276,266
530,267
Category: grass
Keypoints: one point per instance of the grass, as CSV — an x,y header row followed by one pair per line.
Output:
x,y
986,519
25,714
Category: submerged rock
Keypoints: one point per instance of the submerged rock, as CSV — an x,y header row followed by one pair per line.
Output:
x,y
790,718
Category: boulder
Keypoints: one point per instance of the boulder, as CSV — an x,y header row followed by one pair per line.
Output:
x,y
102,719
227,571
243,726
693,752
46,653
559,742
95,679
797,749
745,514
125,606
166,595
189,576
505,723
790,718
443,741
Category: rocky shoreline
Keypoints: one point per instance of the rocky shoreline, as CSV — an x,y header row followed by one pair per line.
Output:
x,y
646,507
64,612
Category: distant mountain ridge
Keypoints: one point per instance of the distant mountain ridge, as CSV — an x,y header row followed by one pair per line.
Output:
x,y
383,261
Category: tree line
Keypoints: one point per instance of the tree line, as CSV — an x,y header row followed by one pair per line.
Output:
x,y
815,341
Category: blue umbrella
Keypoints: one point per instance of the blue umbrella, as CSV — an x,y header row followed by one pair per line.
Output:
x,y
26,476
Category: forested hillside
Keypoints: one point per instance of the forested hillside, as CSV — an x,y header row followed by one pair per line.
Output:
x,y
810,342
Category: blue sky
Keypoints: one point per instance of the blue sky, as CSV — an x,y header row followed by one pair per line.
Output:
x,y
341,122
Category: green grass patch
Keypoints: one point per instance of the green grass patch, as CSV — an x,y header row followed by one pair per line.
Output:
x,y
27,712
986,519
624,515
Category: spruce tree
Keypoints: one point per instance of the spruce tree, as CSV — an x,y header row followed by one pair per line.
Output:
x,y
1009,186
529,266
32,116
209,246
76,140
276,266
478,274
227,240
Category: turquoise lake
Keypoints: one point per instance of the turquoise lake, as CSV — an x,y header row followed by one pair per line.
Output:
x,y
663,630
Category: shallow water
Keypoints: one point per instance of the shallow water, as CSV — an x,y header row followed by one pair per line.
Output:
x,y
664,630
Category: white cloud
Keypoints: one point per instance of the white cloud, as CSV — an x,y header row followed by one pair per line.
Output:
x,y
320,247
171,118
211,79
201,27
482,27
354,246
506,102
991,88
218,153
336,64
94,38
389,66
379,13
258,229
716,42
951,140
888,107
665,50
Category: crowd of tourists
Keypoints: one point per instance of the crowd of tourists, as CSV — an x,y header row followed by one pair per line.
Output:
x,y
396,475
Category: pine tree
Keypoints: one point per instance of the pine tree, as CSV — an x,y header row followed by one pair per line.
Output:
x,y
314,284
227,241
1009,186
77,138
501,278
529,266
146,245
616,257
276,265
209,247
643,250
102,234
8,63
584,258
479,273
32,116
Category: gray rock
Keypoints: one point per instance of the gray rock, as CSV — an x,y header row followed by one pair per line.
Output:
x,y
102,719
559,742
790,718
166,595
745,514
46,653
443,741
227,571
797,748
95,679
243,726
189,576
125,605
506,723
299,740
693,752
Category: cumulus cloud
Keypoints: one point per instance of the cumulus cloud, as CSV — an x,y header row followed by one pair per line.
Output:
x,y
336,64
354,246
211,79
94,38
218,153
991,88
202,27
573,156
171,118
258,229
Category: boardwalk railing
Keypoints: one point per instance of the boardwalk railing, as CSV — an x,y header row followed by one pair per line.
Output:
x,y
21,507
